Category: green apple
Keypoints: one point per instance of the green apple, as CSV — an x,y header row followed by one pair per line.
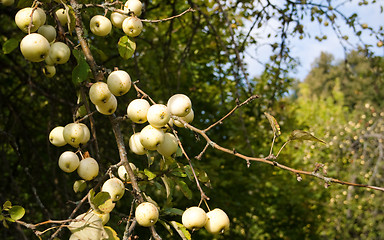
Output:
x,y
134,6
146,214
115,187
23,19
132,26
179,105
108,107
188,119
158,115
48,31
88,169
99,93
56,136
194,218
169,146
218,221
117,19
87,134
34,47
151,137
119,82
100,25
69,161
73,134
122,172
137,110
135,145
59,53
49,71
49,61
62,15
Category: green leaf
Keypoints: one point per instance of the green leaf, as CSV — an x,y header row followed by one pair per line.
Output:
x,y
178,173
126,47
101,202
5,224
9,219
81,71
167,185
149,174
10,45
79,186
275,126
166,226
112,235
17,212
181,230
184,188
7,205
303,135
173,211
189,172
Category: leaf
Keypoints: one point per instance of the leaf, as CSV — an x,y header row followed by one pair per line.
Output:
x,y
149,174
10,45
166,226
101,202
181,230
7,205
126,47
24,3
178,173
81,71
112,235
189,172
16,212
79,186
167,185
88,226
303,135
173,211
5,224
275,126
184,188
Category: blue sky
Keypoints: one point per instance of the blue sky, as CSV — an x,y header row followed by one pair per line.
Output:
x,y
308,49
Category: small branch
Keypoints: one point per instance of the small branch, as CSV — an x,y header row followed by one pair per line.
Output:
x,y
202,194
251,98
169,18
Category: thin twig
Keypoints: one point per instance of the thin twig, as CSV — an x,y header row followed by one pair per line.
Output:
x,y
169,18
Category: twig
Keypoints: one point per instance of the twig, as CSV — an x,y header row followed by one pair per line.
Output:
x,y
169,18
251,98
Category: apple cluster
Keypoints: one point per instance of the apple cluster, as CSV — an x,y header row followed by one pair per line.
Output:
x,y
103,95
127,21
215,221
160,118
76,135
40,42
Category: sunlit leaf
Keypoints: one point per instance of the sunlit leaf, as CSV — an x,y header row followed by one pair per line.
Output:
x,y
303,135
112,235
181,230
275,126
79,186
10,45
7,205
126,47
149,174
16,212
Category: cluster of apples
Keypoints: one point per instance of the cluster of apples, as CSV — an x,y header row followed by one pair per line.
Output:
x,y
74,134
40,46
215,221
103,95
159,116
131,25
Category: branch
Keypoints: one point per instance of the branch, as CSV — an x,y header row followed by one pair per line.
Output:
x,y
274,163
169,18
